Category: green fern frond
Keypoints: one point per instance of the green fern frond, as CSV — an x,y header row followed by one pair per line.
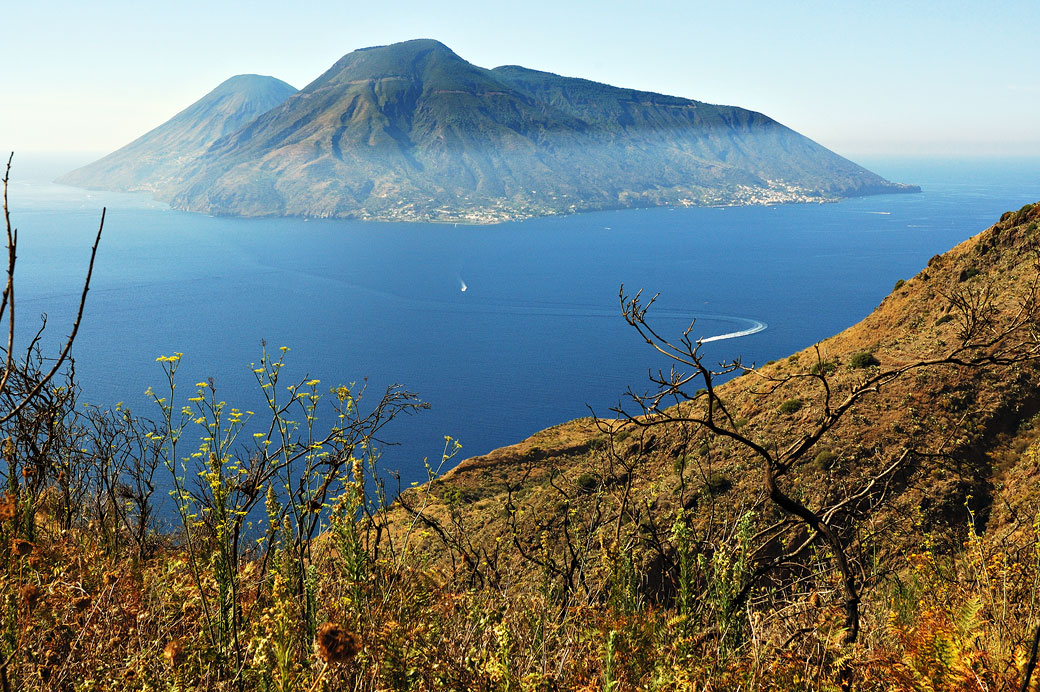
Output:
x,y
966,618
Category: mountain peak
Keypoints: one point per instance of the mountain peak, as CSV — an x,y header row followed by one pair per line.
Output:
x,y
251,82
158,159
414,45
407,59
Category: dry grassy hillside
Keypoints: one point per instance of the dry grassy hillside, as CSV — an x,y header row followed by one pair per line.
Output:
x,y
960,422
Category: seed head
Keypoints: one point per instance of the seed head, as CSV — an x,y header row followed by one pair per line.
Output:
x,y
335,644
30,595
8,508
174,653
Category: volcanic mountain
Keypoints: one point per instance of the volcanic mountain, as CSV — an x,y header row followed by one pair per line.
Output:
x,y
411,131
156,161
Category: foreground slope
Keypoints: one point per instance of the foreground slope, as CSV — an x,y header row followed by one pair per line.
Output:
x,y
157,160
411,131
621,557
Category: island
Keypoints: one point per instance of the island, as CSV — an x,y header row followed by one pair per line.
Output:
x,y
413,132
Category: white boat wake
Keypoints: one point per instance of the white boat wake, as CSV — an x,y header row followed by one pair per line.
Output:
x,y
756,327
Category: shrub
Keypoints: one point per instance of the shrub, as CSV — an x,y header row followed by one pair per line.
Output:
x,y
716,484
826,367
587,483
968,273
899,284
791,405
454,497
825,459
944,319
863,359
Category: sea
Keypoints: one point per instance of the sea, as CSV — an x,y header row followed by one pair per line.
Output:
x,y
504,330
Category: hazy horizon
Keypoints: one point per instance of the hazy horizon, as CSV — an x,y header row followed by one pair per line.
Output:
x,y
886,79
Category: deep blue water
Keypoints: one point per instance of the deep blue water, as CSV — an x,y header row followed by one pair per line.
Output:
x,y
536,338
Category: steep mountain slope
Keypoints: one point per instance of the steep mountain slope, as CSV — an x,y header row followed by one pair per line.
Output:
x,y
156,161
734,137
411,131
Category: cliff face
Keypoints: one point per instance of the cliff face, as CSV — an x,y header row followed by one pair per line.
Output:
x,y
156,161
411,131
941,439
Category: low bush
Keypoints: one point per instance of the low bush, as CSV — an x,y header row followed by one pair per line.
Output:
x,y
587,483
825,460
863,359
967,273
824,367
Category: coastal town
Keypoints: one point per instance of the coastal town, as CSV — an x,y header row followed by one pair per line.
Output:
x,y
469,212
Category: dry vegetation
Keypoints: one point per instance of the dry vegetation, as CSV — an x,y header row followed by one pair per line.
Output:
x,y
755,535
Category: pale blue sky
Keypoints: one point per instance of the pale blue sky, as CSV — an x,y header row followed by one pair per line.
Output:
x,y
863,78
